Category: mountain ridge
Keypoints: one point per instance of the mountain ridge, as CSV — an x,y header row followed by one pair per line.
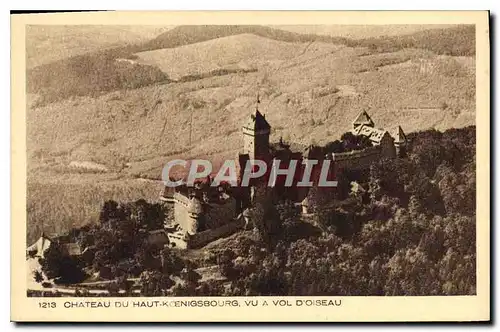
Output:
x,y
84,74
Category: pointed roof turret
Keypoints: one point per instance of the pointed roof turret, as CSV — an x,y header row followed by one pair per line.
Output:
x,y
399,135
40,246
257,122
363,119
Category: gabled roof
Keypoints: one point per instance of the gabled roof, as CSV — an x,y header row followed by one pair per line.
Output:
x,y
293,147
377,135
357,130
374,134
40,246
363,119
399,135
257,121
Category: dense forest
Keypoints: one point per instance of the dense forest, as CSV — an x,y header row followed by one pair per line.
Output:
x,y
451,41
408,229
89,75
411,233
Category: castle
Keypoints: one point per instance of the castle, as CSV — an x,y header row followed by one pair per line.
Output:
x,y
384,144
203,213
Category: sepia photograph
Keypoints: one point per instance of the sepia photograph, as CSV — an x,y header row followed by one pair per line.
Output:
x,y
213,162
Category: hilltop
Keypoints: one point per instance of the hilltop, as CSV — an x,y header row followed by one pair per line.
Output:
x,y
243,51
458,40
92,73
49,43
361,31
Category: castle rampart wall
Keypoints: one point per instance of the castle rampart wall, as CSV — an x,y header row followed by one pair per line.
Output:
x,y
357,159
181,215
202,238
220,214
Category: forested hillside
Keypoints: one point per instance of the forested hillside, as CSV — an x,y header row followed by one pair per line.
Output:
x,y
89,75
450,41
412,232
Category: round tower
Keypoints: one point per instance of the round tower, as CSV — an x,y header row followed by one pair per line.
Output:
x,y
195,213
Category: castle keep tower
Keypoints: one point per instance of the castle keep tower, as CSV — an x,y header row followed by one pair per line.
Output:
x,y
256,136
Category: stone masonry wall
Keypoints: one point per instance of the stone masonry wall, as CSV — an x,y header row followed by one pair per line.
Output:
x,y
200,239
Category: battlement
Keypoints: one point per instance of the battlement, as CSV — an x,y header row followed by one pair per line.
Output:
x,y
181,199
357,159
356,154
200,239
193,213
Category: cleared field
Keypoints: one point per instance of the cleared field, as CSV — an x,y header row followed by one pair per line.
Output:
x,y
56,207
48,43
244,51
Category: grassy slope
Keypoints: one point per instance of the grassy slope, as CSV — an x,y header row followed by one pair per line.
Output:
x,y
242,51
49,43
65,201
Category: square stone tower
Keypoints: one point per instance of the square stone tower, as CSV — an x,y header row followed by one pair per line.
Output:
x,y
256,136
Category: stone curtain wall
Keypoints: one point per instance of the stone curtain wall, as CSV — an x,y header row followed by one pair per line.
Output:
x,y
181,214
357,160
220,214
200,239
